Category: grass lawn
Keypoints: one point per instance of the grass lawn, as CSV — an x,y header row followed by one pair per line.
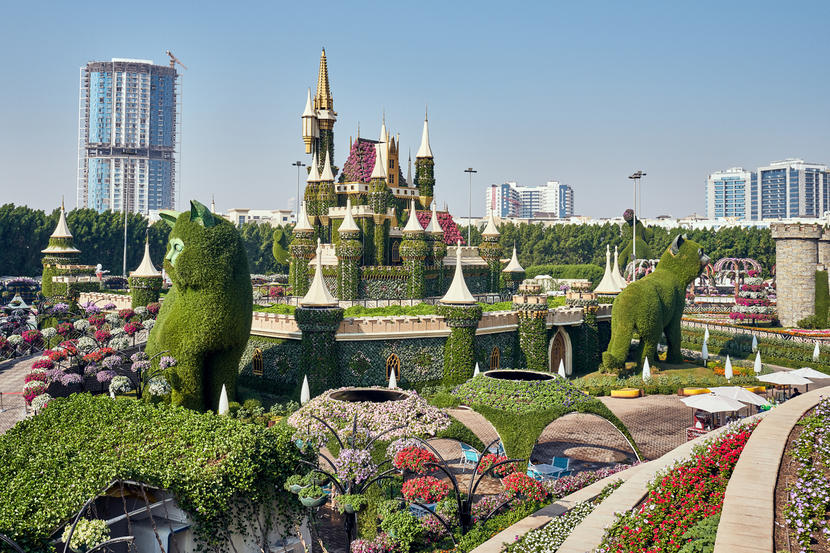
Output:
x,y
682,370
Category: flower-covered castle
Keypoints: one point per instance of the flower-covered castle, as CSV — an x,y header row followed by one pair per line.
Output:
x,y
371,244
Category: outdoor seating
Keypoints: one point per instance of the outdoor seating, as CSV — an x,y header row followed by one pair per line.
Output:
x,y
469,455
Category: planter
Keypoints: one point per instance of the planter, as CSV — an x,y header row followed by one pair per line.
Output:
x,y
295,488
313,501
350,509
693,391
626,393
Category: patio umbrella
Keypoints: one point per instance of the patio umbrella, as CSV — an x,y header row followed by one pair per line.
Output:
x,y
741,394
646,370
816,352
785,378
712,403
758,363
727,370
807,372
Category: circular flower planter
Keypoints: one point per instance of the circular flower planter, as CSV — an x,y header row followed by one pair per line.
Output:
x,y
373,395
314,501
295,488
524,376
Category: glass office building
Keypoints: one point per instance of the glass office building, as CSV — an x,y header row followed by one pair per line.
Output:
x,y
127,136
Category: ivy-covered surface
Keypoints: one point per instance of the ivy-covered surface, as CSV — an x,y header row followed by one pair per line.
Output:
x,y
349,251
507,342
281,371
533,333
414,251
459,351
222,471
425,180
205,320
319,350
588,340
144,290
364,363
521,410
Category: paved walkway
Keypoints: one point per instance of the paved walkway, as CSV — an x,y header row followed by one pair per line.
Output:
x,y
12,406
748,517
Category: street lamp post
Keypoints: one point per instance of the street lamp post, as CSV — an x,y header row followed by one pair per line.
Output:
x,y
298,164
470,171
636,178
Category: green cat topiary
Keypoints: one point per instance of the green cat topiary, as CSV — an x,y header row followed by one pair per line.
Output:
x,y
653,306
205,319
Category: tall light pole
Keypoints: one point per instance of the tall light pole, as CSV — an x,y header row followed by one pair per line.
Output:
x,y
636,178
298,164
470,171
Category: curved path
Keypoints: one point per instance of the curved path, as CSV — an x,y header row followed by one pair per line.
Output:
x,y
748,517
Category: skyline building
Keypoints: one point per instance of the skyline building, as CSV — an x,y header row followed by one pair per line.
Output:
x,y
550,200
784,189
127,136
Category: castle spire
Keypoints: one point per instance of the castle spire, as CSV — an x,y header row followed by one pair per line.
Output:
x,y
323,99
514,266
318,294
409,170
434,227
314,174
146,268
327,175
303,224
458,293
413,226
348,224
384,136
491,229
379,171
424,151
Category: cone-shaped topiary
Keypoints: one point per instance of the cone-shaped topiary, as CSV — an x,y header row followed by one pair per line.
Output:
x,y
205,320
654,305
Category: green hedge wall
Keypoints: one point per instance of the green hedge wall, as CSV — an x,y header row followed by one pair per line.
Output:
x,y
364,363
459,351
145,290
508,345
591,272
280,364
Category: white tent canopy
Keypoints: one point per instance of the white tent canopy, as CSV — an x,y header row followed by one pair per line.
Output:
x,y
712,403
741,394
785,378
807,372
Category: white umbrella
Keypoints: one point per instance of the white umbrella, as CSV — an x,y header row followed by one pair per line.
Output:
x,y
562,368
646,370
741,394
754,343
706,335
727,370
393,381
807,372
704,353
476,371
712,403
223,401
305,394
816,352
757,366
785,378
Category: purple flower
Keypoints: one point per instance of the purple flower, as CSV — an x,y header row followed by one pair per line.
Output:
x,y
113,362
138,356
140,366
91,369
109,306
354,464
166,361
105,376
68,379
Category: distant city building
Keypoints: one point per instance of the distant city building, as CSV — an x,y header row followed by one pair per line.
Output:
x,y
553,199
274,217
784,189
127,136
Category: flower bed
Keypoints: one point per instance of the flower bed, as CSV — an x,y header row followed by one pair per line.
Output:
x,y
808,496
679,499
426,489
413,414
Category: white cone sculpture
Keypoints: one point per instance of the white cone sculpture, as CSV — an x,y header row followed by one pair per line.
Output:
x,y
305,394
727,371
757,366
706,335
393,382
562,369
476,371
816,353
646,370
704,353
754,343
223,401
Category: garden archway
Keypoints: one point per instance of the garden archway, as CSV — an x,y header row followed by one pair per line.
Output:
x,y
559,348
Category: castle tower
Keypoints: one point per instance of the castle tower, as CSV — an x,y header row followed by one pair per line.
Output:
x,y
796,257
60,251
380,198
414,251
145,281
462,314
312,191
311,126
514,274
435,235
490,251
302,250
425,168
319,117
349,251
326,197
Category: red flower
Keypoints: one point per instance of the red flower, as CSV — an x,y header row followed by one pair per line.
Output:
x,y
126,314
491,459
97,320
426,489
131,328
414,459
64,328
524,485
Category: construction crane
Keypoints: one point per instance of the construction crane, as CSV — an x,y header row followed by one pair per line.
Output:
x,y
174,60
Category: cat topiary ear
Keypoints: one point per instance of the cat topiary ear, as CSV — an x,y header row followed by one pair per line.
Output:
x,y
169,217
201,214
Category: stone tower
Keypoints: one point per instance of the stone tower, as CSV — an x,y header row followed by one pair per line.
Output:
x,y
796,257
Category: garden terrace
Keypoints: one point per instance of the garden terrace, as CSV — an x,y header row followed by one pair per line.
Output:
x,y
216,467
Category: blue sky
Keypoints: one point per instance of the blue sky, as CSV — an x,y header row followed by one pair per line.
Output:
x,y
582,92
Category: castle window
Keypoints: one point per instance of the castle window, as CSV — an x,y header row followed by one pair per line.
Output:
x,y
495,357
256,363
393,363
396,252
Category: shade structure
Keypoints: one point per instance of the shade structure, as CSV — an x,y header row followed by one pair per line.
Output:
x,y
727,370
305,393
646,370
785,378
741,394
712,403
757,367
807,372
561,371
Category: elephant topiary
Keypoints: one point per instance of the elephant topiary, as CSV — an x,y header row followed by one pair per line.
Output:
x,y
653,306
205,319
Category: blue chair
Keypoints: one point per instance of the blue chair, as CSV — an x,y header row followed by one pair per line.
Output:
x,y
469,455
564,473
534,473
497,449
561,462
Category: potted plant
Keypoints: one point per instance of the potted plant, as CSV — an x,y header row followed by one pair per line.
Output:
x,y
312,496
87,534
414,459
426,489
350,503
294,483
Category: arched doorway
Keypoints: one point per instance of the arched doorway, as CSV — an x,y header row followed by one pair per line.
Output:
x,y
393,363
559,349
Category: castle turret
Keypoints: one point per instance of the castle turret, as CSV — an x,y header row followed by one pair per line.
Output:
x,y
311,128
414,251
425,168
349,251
490,251
326,116
145,281
312,190
461,313
326,197
302,250
514,273
380,198
435,239
61,251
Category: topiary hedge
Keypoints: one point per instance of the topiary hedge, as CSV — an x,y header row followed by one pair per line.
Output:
x,y
591,272
459,354
220,470
144,290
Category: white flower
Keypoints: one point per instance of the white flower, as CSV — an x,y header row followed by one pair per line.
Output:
x,y
81,325
112,319
120,385
148,324
15,339
119,343
39,402
140,311
158,386
117,332
49,333
87,344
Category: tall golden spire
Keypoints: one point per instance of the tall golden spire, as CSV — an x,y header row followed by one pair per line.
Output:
x,y
323,99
